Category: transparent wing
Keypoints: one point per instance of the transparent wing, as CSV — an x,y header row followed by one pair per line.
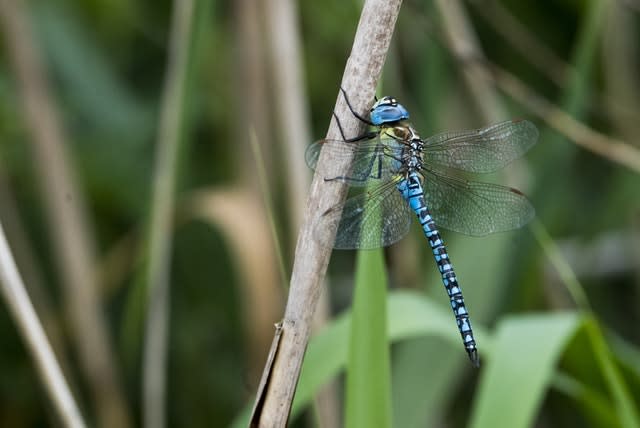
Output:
x,y
372,219
481,150
474,208
375,159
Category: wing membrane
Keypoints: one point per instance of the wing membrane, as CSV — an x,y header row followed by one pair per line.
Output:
x,y
376,159
481,150
372,219
379,216
475,208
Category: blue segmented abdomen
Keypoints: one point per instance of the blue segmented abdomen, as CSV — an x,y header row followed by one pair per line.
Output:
x,y
411,190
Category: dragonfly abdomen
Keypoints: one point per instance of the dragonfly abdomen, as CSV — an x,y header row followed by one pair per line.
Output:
x,y
412,191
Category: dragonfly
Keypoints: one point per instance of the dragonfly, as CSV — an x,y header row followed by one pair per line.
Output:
x,y
401,173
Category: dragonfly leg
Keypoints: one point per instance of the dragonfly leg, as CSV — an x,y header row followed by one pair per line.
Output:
x,y
362,179
366,136
353,112
374,165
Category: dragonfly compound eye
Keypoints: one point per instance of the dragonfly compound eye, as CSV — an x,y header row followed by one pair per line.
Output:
x,y
387,111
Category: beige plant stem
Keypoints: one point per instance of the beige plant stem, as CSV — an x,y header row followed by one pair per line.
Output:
x,y
293,119
524,41
290,99
361,74
232,211
71,236
578,132
15,295
558,119
33,277
254,110
464,45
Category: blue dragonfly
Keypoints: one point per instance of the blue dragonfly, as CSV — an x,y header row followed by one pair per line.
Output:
x,y
399,173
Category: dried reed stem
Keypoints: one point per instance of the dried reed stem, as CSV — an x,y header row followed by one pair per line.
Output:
x,y
361,74
582,135
71,235
293,117
30,328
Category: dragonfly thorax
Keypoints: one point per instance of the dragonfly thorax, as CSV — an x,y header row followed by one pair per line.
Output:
x,y
402,132
417,144
387,111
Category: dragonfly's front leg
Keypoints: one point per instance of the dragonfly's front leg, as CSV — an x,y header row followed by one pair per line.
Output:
x,y
366,136
353,112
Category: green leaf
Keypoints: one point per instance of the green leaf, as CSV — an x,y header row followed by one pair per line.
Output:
x,y
426,374
515,379
622,399
597,407
368,395
410,315
89,78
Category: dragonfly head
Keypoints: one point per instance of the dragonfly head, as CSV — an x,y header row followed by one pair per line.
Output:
x,y
387,110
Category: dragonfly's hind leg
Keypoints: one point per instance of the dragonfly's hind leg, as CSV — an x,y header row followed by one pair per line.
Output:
x,y
374,165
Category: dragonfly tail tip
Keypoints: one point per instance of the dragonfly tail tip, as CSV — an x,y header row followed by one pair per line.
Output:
x,y
473,356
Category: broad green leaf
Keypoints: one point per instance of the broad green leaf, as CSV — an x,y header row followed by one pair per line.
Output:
x,y
515,379
426,375
410,315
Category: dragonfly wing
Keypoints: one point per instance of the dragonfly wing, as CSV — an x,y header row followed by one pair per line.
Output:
x,y
475,208
481,150
372,219
375,159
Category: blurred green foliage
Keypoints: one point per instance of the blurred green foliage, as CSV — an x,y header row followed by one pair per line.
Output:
x,y
106,60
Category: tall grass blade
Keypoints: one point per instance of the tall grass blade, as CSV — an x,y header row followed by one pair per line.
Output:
x,y
171,129
368,392
565,272
623,402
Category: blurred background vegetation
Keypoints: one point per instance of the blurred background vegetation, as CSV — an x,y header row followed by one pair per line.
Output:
x,y
131,189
